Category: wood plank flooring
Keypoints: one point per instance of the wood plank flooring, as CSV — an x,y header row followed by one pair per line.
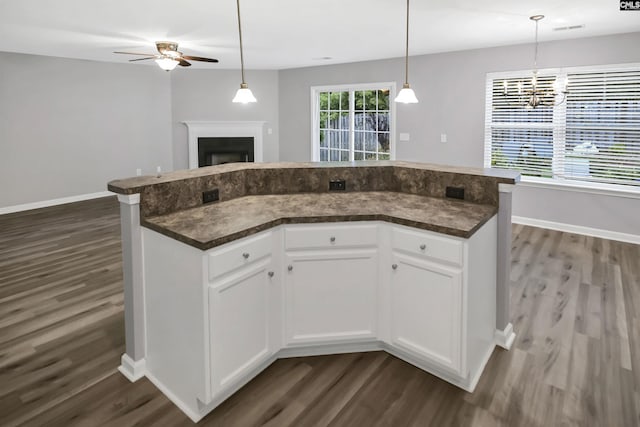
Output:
x,y
575,362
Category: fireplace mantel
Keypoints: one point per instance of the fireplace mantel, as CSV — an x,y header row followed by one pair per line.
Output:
x,y
221,129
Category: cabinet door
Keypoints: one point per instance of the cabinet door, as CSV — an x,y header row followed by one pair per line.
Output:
x,y
239,324
331,296
426,309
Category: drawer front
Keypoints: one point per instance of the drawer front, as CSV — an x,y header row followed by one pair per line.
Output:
x,y
239,254
426,244
340,236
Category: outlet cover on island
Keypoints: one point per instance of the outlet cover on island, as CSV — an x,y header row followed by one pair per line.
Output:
x,y
443,137
404,136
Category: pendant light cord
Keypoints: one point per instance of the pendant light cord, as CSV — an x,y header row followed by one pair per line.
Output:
x,y
240,34
535,54
406,56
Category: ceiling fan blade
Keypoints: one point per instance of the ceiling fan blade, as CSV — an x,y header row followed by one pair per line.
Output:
x,y
183,63
199,58
141,59
133,53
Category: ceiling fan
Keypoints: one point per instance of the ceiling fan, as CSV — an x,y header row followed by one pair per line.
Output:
x,y
168,56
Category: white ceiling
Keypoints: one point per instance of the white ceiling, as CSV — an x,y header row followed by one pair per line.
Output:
x,y
282,34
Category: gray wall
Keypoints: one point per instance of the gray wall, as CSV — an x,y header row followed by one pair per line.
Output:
x,y
206,95
451,90
67,127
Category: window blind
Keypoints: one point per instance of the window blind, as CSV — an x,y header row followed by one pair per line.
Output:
x,y
589,134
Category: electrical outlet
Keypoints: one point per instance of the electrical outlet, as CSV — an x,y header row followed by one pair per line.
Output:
x,y
455,192
210,196
337,185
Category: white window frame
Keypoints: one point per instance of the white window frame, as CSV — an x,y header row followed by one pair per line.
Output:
x,y
555,183
315,115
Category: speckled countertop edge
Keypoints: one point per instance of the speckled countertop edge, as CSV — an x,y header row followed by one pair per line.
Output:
x,y
137,184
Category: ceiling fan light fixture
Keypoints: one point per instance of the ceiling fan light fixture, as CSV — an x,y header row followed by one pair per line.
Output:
x,y
166,63
244,95
406,95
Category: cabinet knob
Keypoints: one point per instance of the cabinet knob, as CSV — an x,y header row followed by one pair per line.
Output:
x,y
423,247
332,239
290,267
394,266
246,255
270,274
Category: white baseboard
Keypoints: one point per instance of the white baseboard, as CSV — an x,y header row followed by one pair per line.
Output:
x,y
194,415
197,409
577,229
132,369
475,379
54,202
334,348
506,337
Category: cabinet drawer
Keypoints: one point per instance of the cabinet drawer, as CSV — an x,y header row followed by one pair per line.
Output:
x,y
238,254
426,244
331,237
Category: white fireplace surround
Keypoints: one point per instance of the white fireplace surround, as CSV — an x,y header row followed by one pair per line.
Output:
x,y
218,129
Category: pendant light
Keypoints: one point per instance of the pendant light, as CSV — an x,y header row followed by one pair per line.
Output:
x,y
406,95
243,95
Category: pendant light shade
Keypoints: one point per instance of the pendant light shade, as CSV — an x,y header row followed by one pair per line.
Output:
x,y
406,95
166,63
243,95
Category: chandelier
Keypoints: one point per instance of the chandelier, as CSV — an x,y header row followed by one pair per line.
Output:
x,y
538,94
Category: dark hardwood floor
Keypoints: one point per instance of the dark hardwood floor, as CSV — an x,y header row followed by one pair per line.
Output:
x,y
575,362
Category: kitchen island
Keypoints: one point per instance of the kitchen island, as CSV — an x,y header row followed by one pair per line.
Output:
x,y
280,266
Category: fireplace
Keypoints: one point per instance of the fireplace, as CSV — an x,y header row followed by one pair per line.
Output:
x,y
220,150
240,142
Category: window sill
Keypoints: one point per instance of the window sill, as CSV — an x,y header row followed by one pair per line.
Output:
x,y
580,187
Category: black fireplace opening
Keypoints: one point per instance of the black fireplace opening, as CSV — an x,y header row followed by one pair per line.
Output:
x,y
217,151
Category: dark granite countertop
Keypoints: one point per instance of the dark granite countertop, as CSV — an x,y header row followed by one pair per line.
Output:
x,y
137,184
218,223
179,190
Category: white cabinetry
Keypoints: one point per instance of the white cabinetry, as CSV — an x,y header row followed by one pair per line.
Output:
x,y
216,318
426,309
213,317
433,283
243,292
330,283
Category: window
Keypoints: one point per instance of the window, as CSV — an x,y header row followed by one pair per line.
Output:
x,y
353,122
593,136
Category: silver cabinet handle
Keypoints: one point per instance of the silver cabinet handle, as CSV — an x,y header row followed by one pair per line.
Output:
x,y
290,267
394,266
246,255
270,274
423,246
332,239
